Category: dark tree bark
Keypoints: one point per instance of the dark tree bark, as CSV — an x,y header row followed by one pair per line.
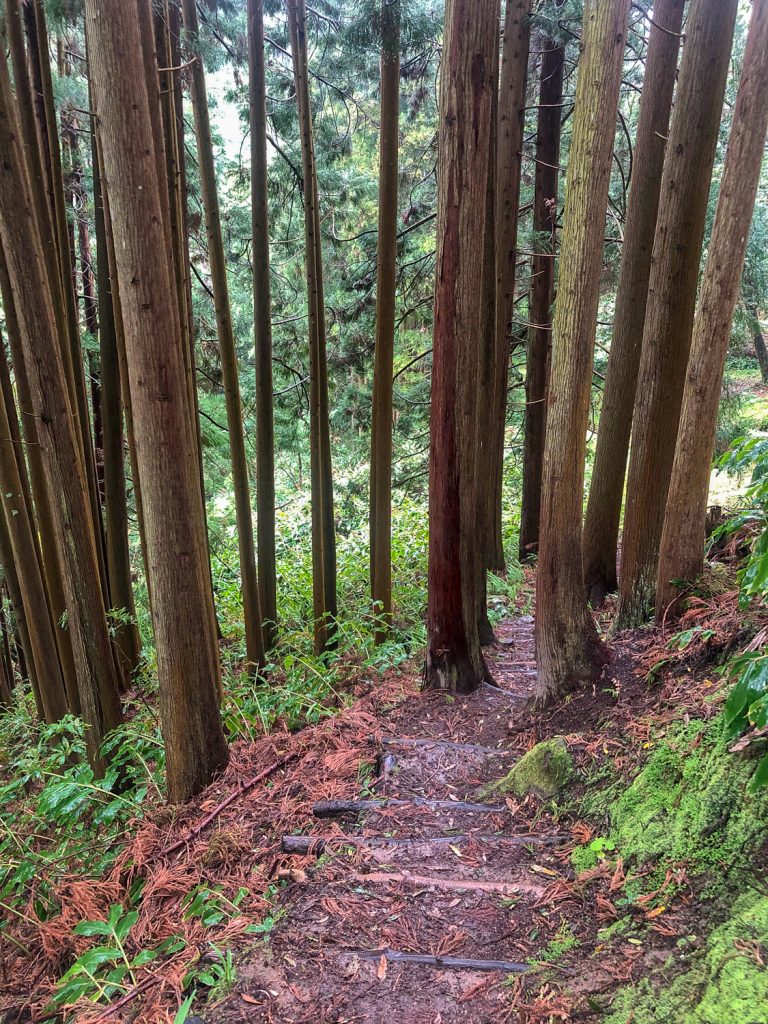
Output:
x,y
761,351
690,154
513,79
40,504
454,659
126,95
681,555
386,283
323,527
57,434
37,34
126,633
568,648
254,641
25,554
539,336
262,326
601,525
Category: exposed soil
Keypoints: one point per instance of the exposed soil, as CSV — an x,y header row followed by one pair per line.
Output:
x,y
315,936
482,896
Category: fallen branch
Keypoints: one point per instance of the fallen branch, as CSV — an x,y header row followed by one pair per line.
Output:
x,y
395,957
334,808
242,789
391,741
303,846
505,886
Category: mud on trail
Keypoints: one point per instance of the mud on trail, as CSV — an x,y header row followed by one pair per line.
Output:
x,y
425,902
401,883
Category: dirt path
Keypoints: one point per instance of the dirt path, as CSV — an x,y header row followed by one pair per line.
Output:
x,y
418,879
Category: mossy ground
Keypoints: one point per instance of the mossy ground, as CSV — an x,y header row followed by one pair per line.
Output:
x,y
725,983
689,807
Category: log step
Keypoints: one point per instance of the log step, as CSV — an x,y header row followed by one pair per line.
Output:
x,y
393,956
334,808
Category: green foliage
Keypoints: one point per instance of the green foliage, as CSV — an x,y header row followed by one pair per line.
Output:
x,y
564,942
107,970
747,705
584,858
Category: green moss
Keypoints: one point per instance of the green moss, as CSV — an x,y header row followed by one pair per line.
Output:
x,y
544,770
689,803
564,942
725,982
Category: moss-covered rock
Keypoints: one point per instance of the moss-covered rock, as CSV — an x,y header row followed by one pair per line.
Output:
x,y
544,770
726,981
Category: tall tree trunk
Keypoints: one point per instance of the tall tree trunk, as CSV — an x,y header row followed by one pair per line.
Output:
x,y
467,81
513,80
41,503
601,525
254,641
125,89
761,350
321,474
25,553
539,335
126,630
488,501
262,325
67,487
568,648
681,554
73,362
690,154
386,286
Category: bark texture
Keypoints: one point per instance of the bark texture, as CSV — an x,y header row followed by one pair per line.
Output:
x,y
601,524
672,296
681,554
254,641
126,91
513,78
568,648
62,448
454,659
323,527
539,337
386,281
262,326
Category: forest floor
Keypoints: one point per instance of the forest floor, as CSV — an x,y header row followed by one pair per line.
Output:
x,y
491,884
251,933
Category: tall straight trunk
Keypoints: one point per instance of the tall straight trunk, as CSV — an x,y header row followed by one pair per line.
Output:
x,y
125,391
761,351
126,89
262,325
61,446
681,554
25,553
254,641
386,286
601,525
690,154
126,630
488,501
568,648
41,503
513,81
321,473
539,336
21,637
73,362
467,82
7,681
